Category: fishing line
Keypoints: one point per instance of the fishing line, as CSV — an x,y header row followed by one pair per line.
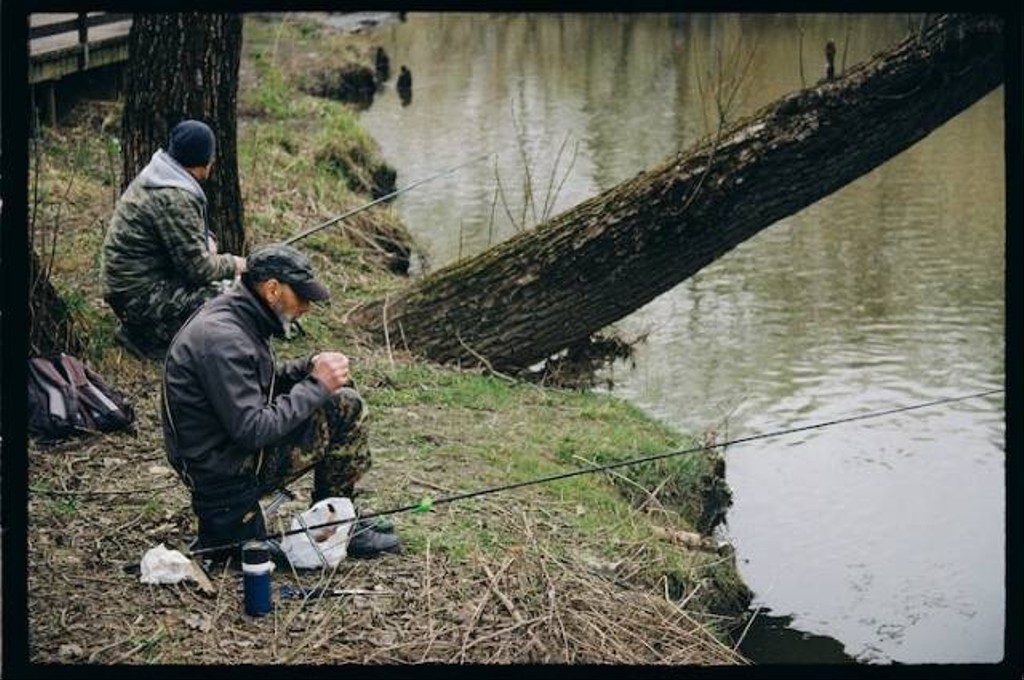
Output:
x,y
427,503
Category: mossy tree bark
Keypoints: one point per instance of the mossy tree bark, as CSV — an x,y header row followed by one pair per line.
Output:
x,y
527,298
181,66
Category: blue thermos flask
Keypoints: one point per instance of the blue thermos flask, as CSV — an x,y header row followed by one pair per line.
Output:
x,y
256,568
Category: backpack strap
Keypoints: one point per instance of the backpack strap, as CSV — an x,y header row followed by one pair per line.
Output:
x,y
100,406
75,371
61,394
98,389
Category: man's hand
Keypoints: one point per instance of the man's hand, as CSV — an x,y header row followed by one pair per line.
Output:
x,y
211,244
240,266
331,369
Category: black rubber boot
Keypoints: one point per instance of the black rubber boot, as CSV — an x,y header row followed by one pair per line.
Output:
x,y
366,543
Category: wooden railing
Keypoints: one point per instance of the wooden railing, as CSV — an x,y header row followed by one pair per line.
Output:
x,y
80,24
60,44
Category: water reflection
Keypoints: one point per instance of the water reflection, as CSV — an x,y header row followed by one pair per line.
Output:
x,y
886,535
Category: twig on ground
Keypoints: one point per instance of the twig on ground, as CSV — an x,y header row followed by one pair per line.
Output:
x,y
482,359
387,336
743,635
430,613
506,631
502,596
429,485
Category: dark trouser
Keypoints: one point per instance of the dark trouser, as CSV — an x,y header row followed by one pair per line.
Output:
x,y
152,316
333,442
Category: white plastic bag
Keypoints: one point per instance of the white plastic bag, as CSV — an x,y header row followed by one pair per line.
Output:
x,y
160,565
329,544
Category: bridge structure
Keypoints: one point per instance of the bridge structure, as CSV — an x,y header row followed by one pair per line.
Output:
x,y
64,44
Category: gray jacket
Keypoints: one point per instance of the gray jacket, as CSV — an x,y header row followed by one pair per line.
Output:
x,y
215,409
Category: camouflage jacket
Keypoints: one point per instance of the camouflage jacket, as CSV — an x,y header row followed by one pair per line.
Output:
x,y
158,232
216,408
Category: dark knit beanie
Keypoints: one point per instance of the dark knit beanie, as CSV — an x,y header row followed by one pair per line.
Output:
x,y
192,143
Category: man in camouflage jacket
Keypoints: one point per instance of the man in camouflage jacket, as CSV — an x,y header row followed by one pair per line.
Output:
x,y
159,261
237,426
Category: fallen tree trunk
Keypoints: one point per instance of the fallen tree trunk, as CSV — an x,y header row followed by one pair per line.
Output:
x,y
544,290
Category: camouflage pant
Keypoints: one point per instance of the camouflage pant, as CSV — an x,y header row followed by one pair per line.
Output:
x,y
153,317
333,442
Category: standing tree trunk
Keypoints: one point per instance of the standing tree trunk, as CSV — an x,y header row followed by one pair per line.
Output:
x,y
528,298
52,328
186,66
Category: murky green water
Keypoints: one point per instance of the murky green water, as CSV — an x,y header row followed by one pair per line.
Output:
x,y
886,535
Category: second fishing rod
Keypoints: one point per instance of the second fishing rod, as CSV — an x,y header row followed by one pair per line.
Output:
x,y
386,197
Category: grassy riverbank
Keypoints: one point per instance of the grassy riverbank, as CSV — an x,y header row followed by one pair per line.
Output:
x,y
598,568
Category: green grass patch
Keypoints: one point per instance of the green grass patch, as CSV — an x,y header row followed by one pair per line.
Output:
x,y
493,433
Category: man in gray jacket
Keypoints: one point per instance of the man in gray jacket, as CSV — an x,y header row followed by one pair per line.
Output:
x,y
236,426
160,262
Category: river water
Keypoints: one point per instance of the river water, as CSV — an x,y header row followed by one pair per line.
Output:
x,y
878,541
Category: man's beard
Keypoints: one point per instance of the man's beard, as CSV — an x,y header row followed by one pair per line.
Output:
x,y
287,320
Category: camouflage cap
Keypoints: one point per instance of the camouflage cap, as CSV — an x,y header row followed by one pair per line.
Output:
x,y
288,265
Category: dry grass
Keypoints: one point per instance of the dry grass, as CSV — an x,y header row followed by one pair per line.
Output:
x,y
557,573
539,593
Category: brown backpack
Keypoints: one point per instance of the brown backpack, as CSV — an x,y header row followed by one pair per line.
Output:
x,y
66,397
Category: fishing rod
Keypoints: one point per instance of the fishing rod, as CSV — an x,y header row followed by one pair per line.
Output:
x,y
385,197
427,503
